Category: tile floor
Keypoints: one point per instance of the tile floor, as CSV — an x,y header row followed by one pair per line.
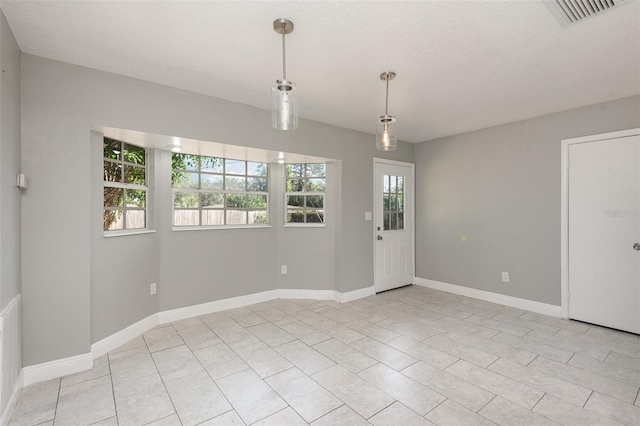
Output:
x,y
412,356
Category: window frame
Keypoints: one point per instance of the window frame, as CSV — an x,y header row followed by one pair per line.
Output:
x,y
223,174
122,163
305,193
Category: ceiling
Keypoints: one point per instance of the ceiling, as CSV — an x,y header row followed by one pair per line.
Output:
x,y
461,65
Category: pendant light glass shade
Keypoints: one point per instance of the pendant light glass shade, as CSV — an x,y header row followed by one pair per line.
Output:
x,y
386,133
386,137
284,95
284,106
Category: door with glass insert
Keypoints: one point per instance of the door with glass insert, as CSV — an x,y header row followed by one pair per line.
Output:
x,y
393,225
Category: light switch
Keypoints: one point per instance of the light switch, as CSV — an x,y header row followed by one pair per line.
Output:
x,y
368,216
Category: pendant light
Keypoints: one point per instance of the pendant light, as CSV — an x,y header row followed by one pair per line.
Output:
x,y
386,139
284,95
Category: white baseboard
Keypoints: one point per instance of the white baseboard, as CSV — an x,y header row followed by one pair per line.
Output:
x,y
216,306
11,404
288,293
57,368
514,302
355,294
118,339
76,364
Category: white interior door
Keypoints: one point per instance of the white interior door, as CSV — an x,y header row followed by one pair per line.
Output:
x,y
604,228
393,225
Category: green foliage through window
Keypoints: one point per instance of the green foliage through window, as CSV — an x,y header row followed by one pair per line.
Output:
x,y
209,191
304,197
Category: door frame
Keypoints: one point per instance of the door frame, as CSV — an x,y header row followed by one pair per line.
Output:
x,y
412,233
564,207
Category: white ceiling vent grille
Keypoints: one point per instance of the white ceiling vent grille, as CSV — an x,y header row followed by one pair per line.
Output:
x,y
572,11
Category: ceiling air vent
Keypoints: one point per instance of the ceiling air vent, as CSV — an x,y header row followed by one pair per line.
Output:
x,y
572,11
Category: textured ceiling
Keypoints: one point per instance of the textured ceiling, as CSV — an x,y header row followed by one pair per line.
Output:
x,y
461,65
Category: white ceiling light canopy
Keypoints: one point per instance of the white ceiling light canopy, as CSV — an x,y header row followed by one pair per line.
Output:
x,y
386,136
284,95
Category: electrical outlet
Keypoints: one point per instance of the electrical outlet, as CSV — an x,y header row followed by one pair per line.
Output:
x,y
505,277
283,269
152,289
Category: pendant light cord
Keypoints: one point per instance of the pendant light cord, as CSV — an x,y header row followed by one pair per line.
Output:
x,y
284,56
386,103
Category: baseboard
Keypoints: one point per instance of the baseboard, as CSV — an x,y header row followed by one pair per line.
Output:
x,y
11,404
57,368
514,302
76,364
301,294
118,339
216,306
355,294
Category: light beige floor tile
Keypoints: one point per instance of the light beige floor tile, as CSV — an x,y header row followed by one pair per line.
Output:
x,y
569,344
339,315
308,317
614,409
423,352
305,333
250,396
276,316
383,353
555,322
407,391
586,379
338,331
130,365
196,398
506,413
220,361
344,355
162,338
86,402
464,327
451,413
245,317
546,351
176,362
343,416
286,417
270,334
569,414
111,421
375,331
445,310
625,361
550,384
186,323
171,420
609,341
236,337
358,394
531,325
199,336
218,320
411,329
303,394
142,401
37,404
498,325
399,415
264,360
498,349
370,316
100,369
450,386
460,350
230,418
286,306
625,375
138,342
304,357
495,383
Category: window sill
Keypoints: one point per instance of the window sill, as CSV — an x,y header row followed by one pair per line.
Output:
x,y
305,225
217,228
111,234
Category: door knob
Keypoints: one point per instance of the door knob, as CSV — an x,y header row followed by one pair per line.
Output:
x,y
636,246
380,237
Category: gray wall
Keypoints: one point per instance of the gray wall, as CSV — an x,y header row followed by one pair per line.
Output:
x,y
10,159
79,287
500,187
